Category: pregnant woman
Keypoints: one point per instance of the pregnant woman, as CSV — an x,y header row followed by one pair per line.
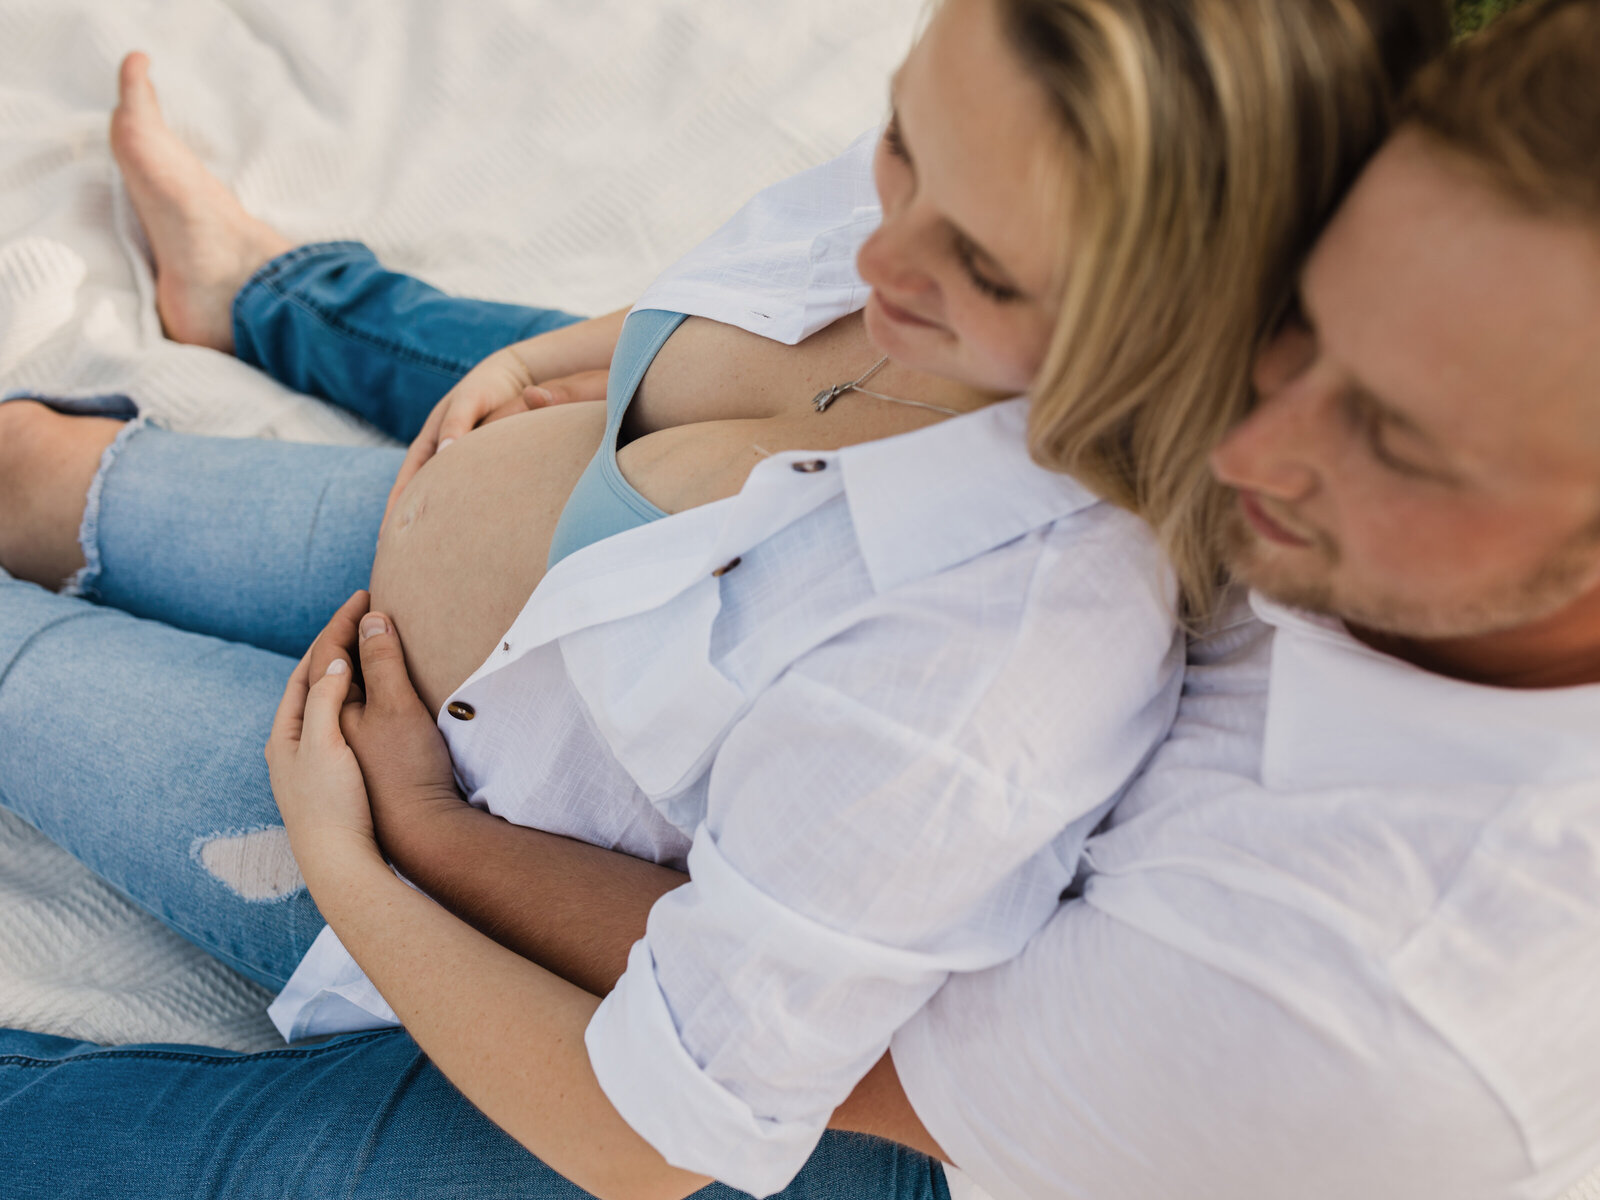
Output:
x,y
861,618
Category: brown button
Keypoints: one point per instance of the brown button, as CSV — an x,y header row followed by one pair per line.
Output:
x,y
460,710
810,466
725,568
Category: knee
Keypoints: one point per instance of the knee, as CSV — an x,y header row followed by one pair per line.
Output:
x,y
25,427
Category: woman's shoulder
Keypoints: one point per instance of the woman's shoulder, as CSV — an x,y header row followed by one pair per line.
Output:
x,y
783,266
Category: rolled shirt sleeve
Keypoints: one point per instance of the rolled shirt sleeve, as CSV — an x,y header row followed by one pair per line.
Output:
x,y
856,854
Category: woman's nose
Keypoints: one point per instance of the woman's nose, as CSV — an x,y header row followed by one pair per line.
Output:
x,y
897,255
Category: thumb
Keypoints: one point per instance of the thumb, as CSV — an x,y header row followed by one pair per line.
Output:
x,y
383,666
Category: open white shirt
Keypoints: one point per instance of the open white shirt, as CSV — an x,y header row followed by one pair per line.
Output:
x,y
875,703
1341,940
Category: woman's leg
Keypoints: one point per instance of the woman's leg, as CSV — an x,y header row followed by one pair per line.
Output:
x,y
243,539
329,320
363,1116
324,319
138,749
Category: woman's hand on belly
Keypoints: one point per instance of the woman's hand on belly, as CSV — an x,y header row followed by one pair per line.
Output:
x,y
498,387
468,539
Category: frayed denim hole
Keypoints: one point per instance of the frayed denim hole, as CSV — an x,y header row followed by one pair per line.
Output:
x,y
254,864
85,578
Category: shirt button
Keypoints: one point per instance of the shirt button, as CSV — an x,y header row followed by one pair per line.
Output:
x,y
809,466
461,710
725,568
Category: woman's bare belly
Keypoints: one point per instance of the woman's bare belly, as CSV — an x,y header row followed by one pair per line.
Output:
x,y
468,540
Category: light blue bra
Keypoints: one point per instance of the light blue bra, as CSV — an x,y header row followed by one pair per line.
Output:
x,y
603,502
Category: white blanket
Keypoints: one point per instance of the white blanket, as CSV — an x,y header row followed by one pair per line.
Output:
x,y
552,152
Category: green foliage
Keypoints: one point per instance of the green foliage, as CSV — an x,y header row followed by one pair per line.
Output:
x,y
1473,15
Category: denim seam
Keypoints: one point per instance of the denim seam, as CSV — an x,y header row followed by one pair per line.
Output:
x,y
266,278
85,579
454,368
216,1060
370,1139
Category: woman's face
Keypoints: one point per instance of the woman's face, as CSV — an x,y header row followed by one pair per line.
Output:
x,y
965,269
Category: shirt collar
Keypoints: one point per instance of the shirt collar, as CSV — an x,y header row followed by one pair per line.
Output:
x,y
923,501
1340,713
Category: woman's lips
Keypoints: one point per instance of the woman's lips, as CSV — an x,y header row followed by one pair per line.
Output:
x,y
902,316
1265,525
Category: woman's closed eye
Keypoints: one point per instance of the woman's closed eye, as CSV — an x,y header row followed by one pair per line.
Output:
x,y
995,291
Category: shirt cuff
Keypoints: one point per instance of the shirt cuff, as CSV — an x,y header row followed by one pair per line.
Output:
x,y
692,1121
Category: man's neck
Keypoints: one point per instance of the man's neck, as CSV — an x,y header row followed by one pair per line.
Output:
x,y
1562,650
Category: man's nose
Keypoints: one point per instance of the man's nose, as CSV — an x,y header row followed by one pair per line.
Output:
x,y
1275,449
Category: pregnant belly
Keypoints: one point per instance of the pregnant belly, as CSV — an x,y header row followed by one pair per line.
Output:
x,y
468,540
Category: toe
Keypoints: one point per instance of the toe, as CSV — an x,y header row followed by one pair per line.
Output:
x,y
134,89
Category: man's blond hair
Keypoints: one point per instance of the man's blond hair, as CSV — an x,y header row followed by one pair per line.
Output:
x,y
1521,101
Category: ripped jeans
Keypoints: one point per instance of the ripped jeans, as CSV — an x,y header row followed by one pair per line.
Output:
x,y
132,724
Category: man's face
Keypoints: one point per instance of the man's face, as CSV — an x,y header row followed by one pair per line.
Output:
x,y
1424,458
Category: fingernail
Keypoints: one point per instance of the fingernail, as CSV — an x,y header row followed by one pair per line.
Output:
x,y
338,667
372,625
545,396
446,442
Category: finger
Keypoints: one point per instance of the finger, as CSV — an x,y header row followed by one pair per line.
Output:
x,y
350,722
383,663
511,408
324,700
286,722
575,389
338,638
465,415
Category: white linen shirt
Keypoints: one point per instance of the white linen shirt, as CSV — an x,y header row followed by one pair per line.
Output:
x,y
875,703
1341,939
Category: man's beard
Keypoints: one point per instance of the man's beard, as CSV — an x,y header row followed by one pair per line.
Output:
x,y
1556,582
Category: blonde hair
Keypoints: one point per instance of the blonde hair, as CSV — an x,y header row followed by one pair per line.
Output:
x,y
1208,141
1521,101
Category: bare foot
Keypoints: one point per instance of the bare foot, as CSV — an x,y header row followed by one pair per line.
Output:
x,y
206,245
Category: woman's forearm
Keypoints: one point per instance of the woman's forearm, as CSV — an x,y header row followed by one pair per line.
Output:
x,y
571,907
506,1032
572,349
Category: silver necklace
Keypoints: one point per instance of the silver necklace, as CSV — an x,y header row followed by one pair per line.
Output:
x,y
827,396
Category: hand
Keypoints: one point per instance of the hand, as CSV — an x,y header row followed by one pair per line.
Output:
x,y
402,755
316,779
500,386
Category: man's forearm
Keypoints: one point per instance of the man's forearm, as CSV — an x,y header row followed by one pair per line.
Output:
x,y
573,908
576,909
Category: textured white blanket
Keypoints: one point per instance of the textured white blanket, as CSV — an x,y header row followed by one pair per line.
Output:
x,y
542,151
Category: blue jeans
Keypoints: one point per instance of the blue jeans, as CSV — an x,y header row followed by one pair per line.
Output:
x,y
131,733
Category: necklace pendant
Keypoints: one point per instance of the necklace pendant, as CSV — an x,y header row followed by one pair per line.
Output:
x,y
827,396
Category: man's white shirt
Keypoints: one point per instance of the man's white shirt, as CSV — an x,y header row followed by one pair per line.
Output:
x,y
1340,939
876,702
